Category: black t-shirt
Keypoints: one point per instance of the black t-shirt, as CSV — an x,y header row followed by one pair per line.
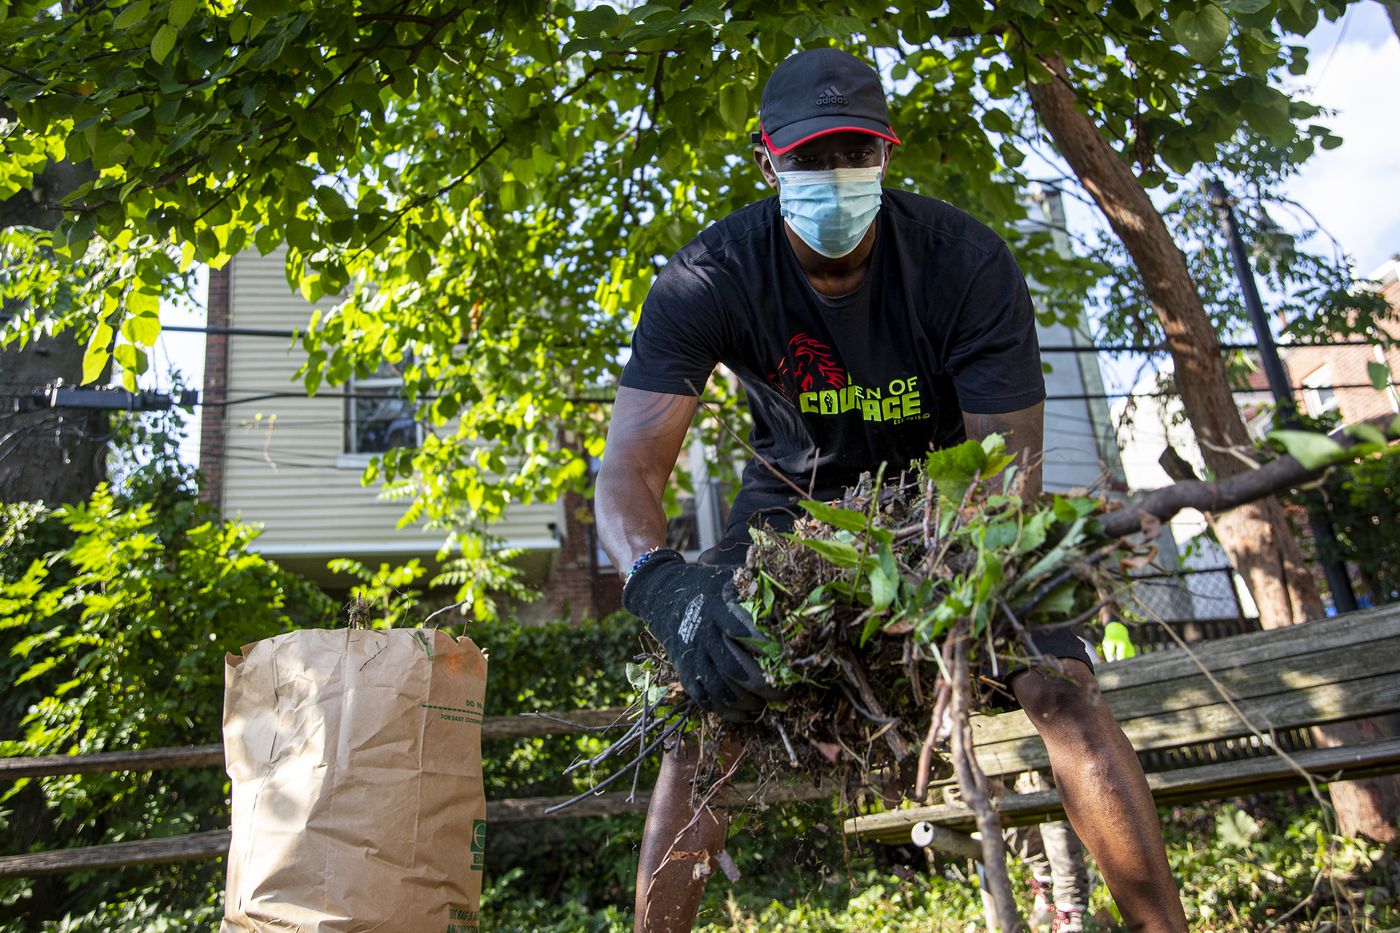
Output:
x,y
942,323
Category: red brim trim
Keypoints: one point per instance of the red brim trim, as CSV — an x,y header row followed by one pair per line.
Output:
x,y
767,141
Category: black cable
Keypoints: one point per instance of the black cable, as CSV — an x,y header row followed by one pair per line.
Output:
x,y
603,400
228,331
600,400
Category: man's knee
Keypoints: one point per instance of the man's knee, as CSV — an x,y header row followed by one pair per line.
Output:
x,y
1067,701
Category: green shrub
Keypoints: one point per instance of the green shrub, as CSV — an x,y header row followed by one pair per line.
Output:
x,y
115,615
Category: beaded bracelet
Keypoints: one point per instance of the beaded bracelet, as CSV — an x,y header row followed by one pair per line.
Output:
x,y
646,556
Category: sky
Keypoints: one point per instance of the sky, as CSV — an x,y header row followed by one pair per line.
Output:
x,y
1352,190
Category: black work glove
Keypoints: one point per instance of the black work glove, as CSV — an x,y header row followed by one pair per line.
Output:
x,y
694,612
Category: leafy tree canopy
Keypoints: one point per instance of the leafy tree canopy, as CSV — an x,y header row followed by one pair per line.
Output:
x,y
488,189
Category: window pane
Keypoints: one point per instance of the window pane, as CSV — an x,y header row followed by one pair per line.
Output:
x,y
380,423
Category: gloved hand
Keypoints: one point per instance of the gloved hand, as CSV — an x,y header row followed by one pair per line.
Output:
x,y
1117,645
694,612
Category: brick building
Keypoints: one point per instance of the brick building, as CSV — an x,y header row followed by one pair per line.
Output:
x,y
1338,379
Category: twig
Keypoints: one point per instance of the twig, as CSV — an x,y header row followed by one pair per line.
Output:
x,y
637,772
935,723
635,763
758,458
929,497
787,743
637,732
973,783
457,605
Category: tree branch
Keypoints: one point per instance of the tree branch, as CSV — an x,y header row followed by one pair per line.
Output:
x,y
1217,496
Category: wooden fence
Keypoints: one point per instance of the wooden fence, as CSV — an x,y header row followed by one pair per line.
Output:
x,y
214,844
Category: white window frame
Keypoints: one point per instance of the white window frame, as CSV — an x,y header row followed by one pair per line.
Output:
x,y
353,456
1391,394
1313,384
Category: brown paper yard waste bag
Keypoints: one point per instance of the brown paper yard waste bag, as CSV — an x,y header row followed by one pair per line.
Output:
x,y
355,760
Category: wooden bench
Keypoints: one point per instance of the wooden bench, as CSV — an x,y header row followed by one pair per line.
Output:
x,y
1276,681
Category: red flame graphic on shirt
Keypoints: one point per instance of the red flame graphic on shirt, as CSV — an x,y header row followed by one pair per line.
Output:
x,y
807,361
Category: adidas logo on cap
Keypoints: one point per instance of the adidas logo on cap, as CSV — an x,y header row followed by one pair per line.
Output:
x,y
831,97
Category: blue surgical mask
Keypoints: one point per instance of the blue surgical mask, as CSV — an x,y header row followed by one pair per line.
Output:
x,y
830,210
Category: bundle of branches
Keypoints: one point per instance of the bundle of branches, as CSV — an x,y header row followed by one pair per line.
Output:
x,y
872,604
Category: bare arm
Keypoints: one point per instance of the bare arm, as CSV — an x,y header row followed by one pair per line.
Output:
x,y
1024,431
644,440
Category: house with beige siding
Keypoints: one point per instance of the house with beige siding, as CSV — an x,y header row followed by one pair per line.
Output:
x,y
292,464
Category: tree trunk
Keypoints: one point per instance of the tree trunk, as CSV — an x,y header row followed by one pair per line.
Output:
x,y
1393,10
1256,536
46,455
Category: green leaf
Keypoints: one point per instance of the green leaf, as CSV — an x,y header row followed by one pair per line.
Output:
x,y
1001,533
835,516
1366,433
1068,508
163,42
997,121
99,350
1379,374
1059,555
953,468
883,587
1202,32
1246,7
141,329
133,14
180,12
130,358
840,553
1034,531
1314,451
1234,829
734,105
1059,604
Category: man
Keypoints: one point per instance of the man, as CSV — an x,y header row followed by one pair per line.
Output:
x,y
866,325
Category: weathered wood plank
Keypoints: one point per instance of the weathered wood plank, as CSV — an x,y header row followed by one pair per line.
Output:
x,y
1353,628
528,725
1129,699
560,722
1199,783
215,844
740,795
1353,699
152,759
191,848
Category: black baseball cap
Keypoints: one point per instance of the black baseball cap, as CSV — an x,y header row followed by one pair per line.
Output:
x,y
821,91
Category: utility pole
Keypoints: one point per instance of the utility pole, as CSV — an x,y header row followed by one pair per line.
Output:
x,y
1338,582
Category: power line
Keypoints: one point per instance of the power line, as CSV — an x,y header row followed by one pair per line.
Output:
x,y
229,331
604,400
